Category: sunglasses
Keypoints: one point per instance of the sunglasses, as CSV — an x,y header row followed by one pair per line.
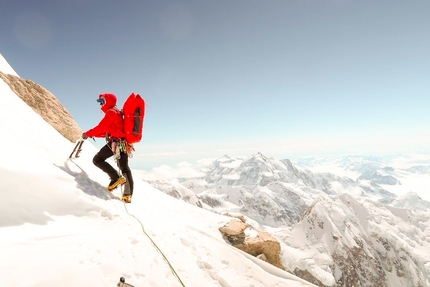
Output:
x,y
101,101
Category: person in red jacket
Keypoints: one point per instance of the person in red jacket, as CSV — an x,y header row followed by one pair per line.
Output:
x,y
111,127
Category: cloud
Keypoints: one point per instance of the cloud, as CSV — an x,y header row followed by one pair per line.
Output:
x,y
205,161
204,153
175,153
167,172
233,164
243,149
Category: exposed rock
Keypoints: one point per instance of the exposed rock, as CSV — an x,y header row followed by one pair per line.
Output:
x,y
234,231
264,245
306,275
45,104
377,178
174,193
240,217
211,201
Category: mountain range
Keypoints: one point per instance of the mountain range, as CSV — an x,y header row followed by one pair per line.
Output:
x,y
344,221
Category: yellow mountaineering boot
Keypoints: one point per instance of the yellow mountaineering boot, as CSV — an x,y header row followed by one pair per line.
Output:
x,y
126,198
114,183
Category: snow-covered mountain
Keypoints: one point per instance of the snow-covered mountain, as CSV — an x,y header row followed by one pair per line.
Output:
x,y
358,242
59,226
351,221
336,227
277,192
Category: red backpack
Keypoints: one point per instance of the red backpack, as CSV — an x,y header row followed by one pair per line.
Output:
x,y
133,112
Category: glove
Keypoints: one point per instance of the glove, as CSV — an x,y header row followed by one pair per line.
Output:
x,y
84,136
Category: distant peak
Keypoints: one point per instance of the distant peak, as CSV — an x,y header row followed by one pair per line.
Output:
x,y
223,158
259,154
411,194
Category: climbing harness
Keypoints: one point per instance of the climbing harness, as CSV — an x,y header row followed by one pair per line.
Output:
x,y
118,145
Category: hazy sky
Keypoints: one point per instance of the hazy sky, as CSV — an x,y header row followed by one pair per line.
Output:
x,y
286,78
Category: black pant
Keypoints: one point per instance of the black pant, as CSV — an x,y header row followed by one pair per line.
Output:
x,y
106,152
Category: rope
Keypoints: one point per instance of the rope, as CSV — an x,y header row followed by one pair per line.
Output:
x,y
149,237
156,246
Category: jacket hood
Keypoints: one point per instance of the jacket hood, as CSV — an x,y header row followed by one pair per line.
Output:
x,y
110,101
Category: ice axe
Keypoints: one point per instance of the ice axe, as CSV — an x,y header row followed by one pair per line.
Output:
x,y
78,148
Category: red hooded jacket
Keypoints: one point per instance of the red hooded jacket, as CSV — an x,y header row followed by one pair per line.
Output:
x,y
112,123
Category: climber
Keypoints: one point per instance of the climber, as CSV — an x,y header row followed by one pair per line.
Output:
x,y
111,127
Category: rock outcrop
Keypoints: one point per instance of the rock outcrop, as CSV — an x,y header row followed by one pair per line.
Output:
x,y
45,104
261,244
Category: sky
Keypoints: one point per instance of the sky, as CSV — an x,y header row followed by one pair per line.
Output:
x,y
60,227
286,78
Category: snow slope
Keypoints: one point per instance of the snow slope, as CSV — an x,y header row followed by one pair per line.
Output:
x,y
59,227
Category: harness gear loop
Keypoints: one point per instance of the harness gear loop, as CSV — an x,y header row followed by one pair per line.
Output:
x,y
119,145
